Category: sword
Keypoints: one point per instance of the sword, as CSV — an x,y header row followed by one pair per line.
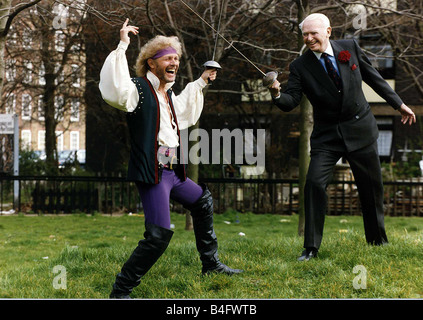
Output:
x,y
268,78
211,64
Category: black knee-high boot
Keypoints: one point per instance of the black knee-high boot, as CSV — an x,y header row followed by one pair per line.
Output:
x,y
142,259
205,237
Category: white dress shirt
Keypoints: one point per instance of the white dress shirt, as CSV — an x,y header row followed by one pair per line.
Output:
x,y
332,58
118,90
329,51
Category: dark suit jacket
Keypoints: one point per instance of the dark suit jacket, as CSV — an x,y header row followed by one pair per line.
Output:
x,y
337,114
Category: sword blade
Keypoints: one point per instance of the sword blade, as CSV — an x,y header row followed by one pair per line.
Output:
x,y
218,33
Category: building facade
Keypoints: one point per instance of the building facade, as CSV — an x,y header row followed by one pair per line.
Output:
x,y
44,57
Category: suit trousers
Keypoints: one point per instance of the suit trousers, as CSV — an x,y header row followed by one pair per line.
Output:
x,y
365,165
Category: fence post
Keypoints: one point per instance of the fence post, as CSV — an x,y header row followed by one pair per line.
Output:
x,y
99,197
16,183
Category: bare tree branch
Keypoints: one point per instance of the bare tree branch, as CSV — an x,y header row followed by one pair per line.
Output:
x,y
15,13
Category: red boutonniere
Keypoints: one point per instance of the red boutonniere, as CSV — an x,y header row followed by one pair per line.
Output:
x,y
344,56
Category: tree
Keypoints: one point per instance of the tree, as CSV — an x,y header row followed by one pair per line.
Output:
x,y
7,14
45,48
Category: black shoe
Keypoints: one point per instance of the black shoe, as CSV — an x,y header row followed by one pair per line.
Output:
x,y
308,254
378,243
222,268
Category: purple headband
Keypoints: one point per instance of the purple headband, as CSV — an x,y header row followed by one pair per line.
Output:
x,y
163,52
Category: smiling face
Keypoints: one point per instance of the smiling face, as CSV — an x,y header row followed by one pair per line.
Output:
x,y
316,35
165,67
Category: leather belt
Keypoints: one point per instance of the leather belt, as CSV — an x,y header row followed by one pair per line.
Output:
x,y
167,157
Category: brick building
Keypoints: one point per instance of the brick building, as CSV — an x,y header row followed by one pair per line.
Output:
x,y
46,56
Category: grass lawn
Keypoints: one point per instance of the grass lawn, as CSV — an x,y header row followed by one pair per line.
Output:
x,y
36,252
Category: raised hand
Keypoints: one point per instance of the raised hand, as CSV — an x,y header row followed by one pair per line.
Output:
x,y
124,32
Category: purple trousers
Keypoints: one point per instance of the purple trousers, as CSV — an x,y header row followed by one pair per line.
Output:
x,y
156,197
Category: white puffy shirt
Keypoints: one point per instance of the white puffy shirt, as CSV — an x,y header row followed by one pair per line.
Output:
x,y
118,90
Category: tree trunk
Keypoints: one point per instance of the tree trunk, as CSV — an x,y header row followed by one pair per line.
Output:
x,y
48,101
4,9
192,173
306,126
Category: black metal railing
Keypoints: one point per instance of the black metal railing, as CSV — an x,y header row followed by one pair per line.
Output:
x,y
70,194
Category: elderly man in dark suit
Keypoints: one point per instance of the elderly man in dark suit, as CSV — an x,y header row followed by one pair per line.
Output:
x,y
330,74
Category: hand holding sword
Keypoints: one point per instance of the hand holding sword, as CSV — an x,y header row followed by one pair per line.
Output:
x,y
271,82
209,74
211,68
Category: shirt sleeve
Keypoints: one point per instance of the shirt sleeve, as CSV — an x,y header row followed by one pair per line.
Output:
x,y
291,97
189,103
116,86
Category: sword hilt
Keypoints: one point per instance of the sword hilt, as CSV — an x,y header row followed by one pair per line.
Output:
x,y
211,64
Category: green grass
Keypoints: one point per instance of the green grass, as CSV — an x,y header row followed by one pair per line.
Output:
x,y
93,248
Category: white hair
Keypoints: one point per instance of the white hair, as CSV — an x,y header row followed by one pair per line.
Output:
x,y
316,16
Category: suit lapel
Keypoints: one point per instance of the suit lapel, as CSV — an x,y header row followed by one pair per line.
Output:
x,y
317,70
344,68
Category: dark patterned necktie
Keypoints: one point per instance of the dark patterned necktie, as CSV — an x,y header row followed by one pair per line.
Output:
x,y
333,74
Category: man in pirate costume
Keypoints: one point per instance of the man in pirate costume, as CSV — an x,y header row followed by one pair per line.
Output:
x,y
155,116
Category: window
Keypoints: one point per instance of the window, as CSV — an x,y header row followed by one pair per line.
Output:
x,y
27,71
60,77
384,142
76,81
12,38
26,39
10,103
26,139
60,41
75,110
59,141
76,47
41,140
74,140
41,108
59,103
382,58
11,70
26,107
41,75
